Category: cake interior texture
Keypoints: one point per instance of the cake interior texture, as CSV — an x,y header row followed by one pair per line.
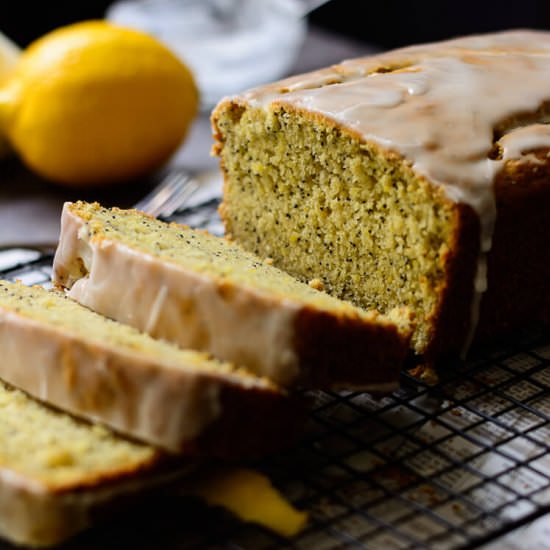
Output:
x,y
59,452
324,205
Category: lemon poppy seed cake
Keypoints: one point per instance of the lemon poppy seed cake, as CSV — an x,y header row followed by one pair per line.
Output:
x,y
416,177
203,292
55,471
183,401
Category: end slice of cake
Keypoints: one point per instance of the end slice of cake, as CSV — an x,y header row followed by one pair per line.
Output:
x,y
203,292
56,470
183,401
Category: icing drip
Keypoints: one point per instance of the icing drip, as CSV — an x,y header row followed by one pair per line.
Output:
x,y
522,140
438,106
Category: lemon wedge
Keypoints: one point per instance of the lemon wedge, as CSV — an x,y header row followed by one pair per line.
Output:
x,y
250,496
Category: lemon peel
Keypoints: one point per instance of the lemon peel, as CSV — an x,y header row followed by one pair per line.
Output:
x,y
94,103
9,55
250,496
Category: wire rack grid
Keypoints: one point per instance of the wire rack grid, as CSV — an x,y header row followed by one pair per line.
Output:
x,y
452,463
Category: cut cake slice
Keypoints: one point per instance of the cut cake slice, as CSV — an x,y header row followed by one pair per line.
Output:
x,y
183,401
204,292
55,470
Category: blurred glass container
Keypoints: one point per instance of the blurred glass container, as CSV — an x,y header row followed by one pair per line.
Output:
x,y
230,45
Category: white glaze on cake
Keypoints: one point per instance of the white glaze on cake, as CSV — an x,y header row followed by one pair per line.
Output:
x,y
196,312
442,107
142,401
167,400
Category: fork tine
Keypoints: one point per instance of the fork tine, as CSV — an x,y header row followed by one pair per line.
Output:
x,y
147,203
180,196
168,195
157,196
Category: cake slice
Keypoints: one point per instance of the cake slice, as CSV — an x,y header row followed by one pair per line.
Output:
x,y
56,470
203,292
183,401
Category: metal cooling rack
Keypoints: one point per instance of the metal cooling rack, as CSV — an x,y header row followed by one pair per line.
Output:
x,y
451,464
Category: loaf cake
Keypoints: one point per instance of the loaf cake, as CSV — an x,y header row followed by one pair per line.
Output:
x,y
202,292
55,470
183,401
416,177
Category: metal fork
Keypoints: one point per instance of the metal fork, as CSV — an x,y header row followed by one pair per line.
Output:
x,y
169,195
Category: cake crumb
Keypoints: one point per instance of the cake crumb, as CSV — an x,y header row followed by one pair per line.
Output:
x,y
317,284
425,373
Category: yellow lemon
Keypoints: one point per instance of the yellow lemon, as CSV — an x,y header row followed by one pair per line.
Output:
x,y
9,54
94,103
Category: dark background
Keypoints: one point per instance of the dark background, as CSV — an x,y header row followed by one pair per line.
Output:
x,y
386,23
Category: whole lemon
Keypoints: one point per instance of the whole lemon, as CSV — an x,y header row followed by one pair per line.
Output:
x,y
94,103
9,54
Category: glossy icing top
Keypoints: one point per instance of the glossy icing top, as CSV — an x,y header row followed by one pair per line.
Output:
x,y
442,106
